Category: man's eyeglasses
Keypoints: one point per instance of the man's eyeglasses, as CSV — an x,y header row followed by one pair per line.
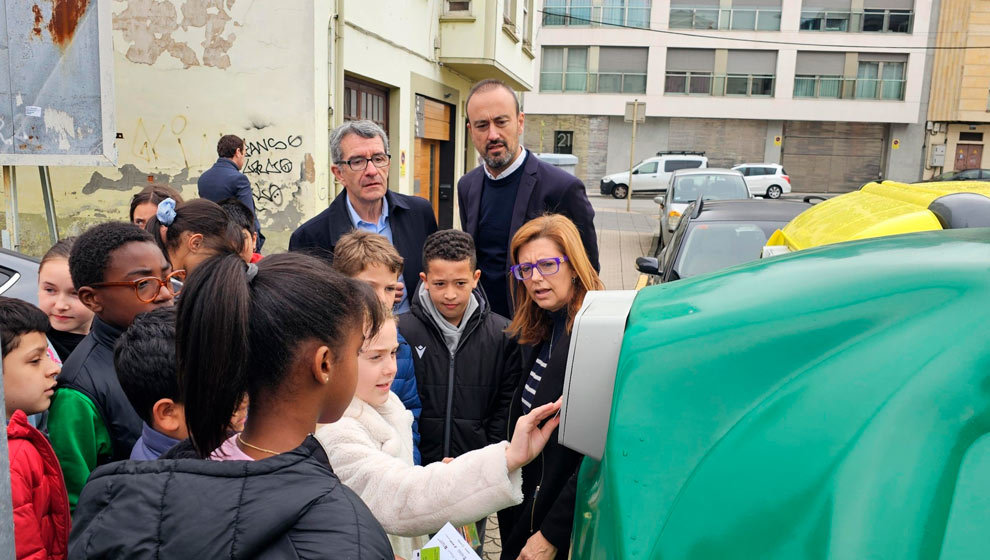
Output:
x,y
547,267
361,163
147,289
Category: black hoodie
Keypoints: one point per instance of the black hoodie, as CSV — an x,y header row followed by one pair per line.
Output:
x,y
466,393
288,506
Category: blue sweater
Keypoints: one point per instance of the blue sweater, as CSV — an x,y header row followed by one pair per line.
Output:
x,y
404,386
495,218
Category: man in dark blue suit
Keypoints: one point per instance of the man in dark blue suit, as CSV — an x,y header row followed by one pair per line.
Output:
x,y
360,162
225,180
512,187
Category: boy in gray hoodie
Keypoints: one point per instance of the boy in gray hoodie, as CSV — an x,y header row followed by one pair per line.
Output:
x,y
466,367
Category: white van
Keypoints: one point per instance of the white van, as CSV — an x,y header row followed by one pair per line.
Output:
x,y
651,174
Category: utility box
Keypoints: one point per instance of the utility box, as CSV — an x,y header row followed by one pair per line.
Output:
x,y
596,339
938,156
567,162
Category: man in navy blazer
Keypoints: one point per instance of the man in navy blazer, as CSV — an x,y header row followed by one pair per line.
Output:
x,y
225,180
361,159
512,187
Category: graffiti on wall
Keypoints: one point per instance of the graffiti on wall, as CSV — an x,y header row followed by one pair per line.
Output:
x,y
172,151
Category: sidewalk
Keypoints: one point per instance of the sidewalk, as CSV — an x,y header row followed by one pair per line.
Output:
x,y
623,236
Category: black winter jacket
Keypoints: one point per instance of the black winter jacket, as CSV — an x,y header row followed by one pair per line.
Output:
x,y
90,371
465,402
288,506
550,480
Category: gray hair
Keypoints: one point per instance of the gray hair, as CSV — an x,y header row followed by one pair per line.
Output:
x,y
363,128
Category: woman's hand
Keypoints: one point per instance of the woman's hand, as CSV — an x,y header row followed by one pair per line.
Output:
x,y
538,548
528,439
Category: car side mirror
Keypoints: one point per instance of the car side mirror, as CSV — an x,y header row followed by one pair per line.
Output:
x,y
635,171
659,200
648,265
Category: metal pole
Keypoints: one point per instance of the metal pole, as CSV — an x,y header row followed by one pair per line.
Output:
x,y
10,238
541,135
632,153
46,194
6,508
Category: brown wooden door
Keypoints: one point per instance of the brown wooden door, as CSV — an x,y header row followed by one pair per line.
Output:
x,y
968,156
427,174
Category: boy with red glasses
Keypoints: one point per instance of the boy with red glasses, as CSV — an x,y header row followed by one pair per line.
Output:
x,y
119,272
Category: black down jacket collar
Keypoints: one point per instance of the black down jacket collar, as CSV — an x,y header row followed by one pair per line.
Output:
x,y
288,506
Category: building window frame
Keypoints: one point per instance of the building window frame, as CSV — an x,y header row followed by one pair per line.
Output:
x,y
862,21
584,13
365,100
728,19
565,72
881,86
455,8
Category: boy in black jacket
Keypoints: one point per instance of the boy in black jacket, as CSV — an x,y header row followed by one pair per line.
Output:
x,y
466,366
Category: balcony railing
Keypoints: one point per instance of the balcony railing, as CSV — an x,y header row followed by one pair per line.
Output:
x,y
706,83
867,21
735,19
592,82
837,87
597,16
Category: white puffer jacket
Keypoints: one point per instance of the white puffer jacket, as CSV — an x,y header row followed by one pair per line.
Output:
x,y
370,450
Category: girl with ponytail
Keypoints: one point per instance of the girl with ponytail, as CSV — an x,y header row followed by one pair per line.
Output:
x,y
188,233
286,332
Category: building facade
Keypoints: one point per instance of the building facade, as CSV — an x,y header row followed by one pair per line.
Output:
x,y
282,75
958,125
835,90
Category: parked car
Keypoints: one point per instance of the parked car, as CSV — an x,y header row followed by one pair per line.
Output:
x,y
719,234
18,276
652,174
829,404
765,179
688,185
886,208
965,175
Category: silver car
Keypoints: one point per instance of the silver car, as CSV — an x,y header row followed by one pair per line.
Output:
x,y
18,276
688,185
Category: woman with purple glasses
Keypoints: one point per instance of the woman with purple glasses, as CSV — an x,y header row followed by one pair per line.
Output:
x,y
552,274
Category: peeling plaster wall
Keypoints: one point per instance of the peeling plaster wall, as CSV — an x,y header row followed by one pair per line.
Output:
x,y
187,72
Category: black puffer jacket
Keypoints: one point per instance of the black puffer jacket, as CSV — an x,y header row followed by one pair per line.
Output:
x,y
288,506
465,399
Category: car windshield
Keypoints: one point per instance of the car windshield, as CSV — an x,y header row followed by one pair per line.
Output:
x,y
709,187
713,246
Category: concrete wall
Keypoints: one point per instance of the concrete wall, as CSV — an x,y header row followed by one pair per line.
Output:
x,y
591,141
187,72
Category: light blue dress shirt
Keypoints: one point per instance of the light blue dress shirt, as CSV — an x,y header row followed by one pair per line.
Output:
x,y
381,228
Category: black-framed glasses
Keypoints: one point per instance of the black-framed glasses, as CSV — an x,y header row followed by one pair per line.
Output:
x,y
147,289
361,163
547,267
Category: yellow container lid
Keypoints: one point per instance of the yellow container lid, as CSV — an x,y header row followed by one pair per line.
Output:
x,y
876,210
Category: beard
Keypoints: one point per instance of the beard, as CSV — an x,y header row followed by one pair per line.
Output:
x,y
498,162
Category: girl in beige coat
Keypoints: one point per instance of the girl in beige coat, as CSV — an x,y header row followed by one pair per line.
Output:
x,y
370,449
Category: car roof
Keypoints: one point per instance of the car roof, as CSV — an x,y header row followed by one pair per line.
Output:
x,y
707,171
757,165
750,210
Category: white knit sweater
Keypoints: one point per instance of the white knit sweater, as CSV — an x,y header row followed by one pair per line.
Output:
x,y
370,450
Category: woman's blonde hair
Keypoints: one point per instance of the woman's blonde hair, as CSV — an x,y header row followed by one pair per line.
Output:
x,y
530,323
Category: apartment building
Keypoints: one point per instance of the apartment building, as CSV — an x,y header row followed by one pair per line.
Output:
x,y
835,90
959,113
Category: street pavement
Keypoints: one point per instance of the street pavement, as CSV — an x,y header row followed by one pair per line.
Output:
x,y
623,236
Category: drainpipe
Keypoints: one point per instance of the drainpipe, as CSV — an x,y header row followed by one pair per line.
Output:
x,y
337,87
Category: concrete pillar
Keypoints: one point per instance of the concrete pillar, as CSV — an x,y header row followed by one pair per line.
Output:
x,y
721,66
771,152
